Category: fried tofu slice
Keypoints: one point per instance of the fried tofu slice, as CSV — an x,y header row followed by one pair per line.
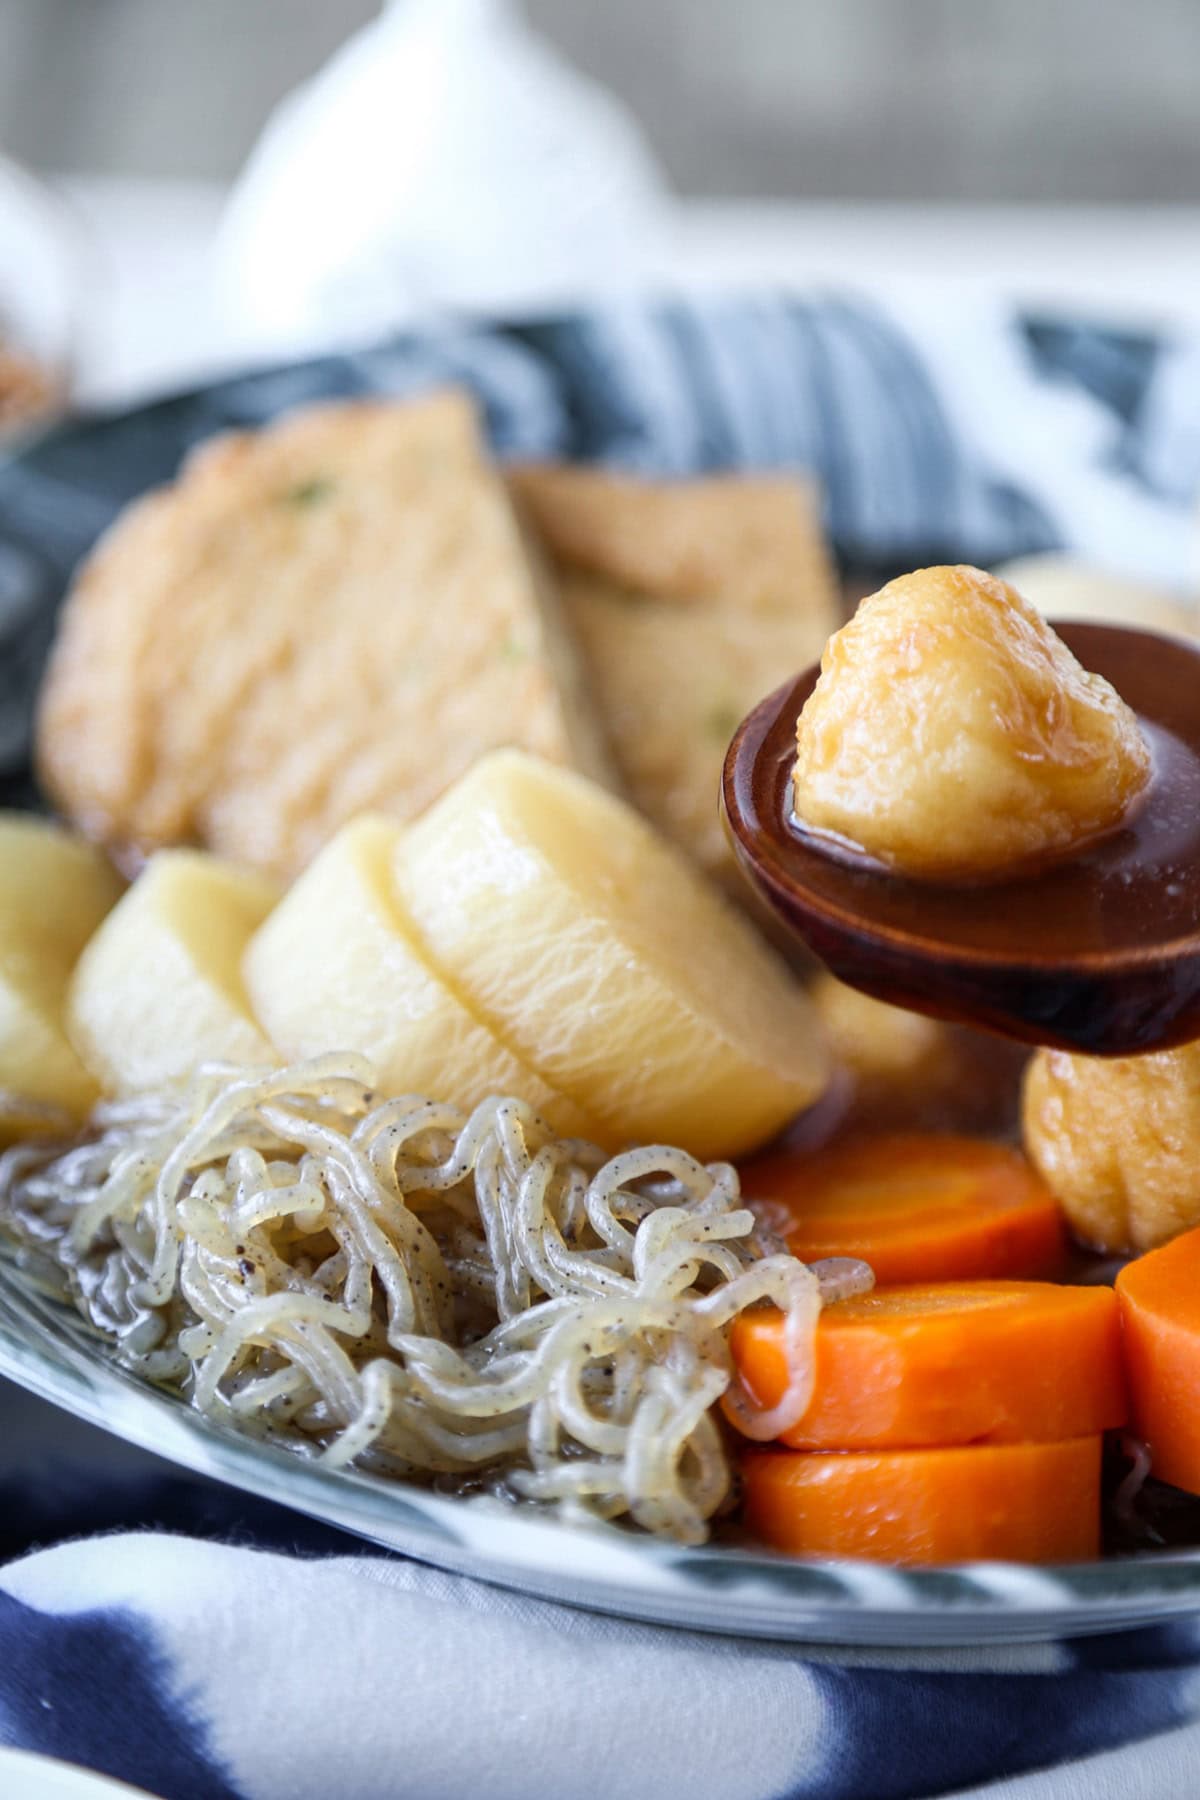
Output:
x,y
691,601
334,613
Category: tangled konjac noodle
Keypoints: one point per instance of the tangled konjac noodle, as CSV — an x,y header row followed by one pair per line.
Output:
x,y
400,1285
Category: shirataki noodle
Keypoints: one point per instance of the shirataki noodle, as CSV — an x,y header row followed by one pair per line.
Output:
x,y
399,1285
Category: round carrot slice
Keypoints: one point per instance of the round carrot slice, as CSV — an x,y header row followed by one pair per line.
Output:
x,y
916,1207
951,1363
1012,1502
1159,1300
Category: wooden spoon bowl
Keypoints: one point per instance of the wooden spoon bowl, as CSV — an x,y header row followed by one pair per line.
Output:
x,y
1099,954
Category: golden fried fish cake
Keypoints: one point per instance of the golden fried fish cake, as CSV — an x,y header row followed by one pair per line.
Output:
x,y
336,613
692,600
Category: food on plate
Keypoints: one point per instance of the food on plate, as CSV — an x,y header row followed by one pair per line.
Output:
x,y
1118,1141
385,1167
917,1207
1063,587
54,891
607,961
158,989
420,1290
691,601
1020,1502
750,540
953,737
336,966
1159,1297
947,1363
336,613
907,1070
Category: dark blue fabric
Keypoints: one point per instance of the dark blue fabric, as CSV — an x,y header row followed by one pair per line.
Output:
x,y
68,1499
94,1688
1114,366
898,1734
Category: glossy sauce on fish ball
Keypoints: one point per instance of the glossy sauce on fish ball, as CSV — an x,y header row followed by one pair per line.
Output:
x,y
953,737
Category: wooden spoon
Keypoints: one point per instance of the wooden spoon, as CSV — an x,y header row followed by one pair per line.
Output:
x,y
1100,953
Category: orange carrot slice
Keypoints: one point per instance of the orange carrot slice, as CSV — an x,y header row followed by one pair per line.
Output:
x,y
950,1363
1014,1502
916,1207
1159,1298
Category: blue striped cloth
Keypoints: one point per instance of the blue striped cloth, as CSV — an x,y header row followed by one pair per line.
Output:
x,y
204,1645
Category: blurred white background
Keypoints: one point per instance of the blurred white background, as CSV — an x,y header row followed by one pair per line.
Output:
x,y
1012,100
1046,151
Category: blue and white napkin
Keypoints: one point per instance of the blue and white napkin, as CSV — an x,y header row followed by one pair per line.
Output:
x,y
284,1663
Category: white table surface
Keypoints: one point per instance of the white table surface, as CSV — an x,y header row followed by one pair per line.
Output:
x,y
151,323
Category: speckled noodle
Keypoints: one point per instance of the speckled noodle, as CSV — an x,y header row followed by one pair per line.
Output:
x,y
424,1293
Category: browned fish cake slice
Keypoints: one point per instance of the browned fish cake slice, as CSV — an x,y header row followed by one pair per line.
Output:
x,y
692,600
335,613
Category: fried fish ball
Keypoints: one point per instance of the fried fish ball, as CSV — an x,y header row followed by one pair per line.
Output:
x,y
1118,1140
953,737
